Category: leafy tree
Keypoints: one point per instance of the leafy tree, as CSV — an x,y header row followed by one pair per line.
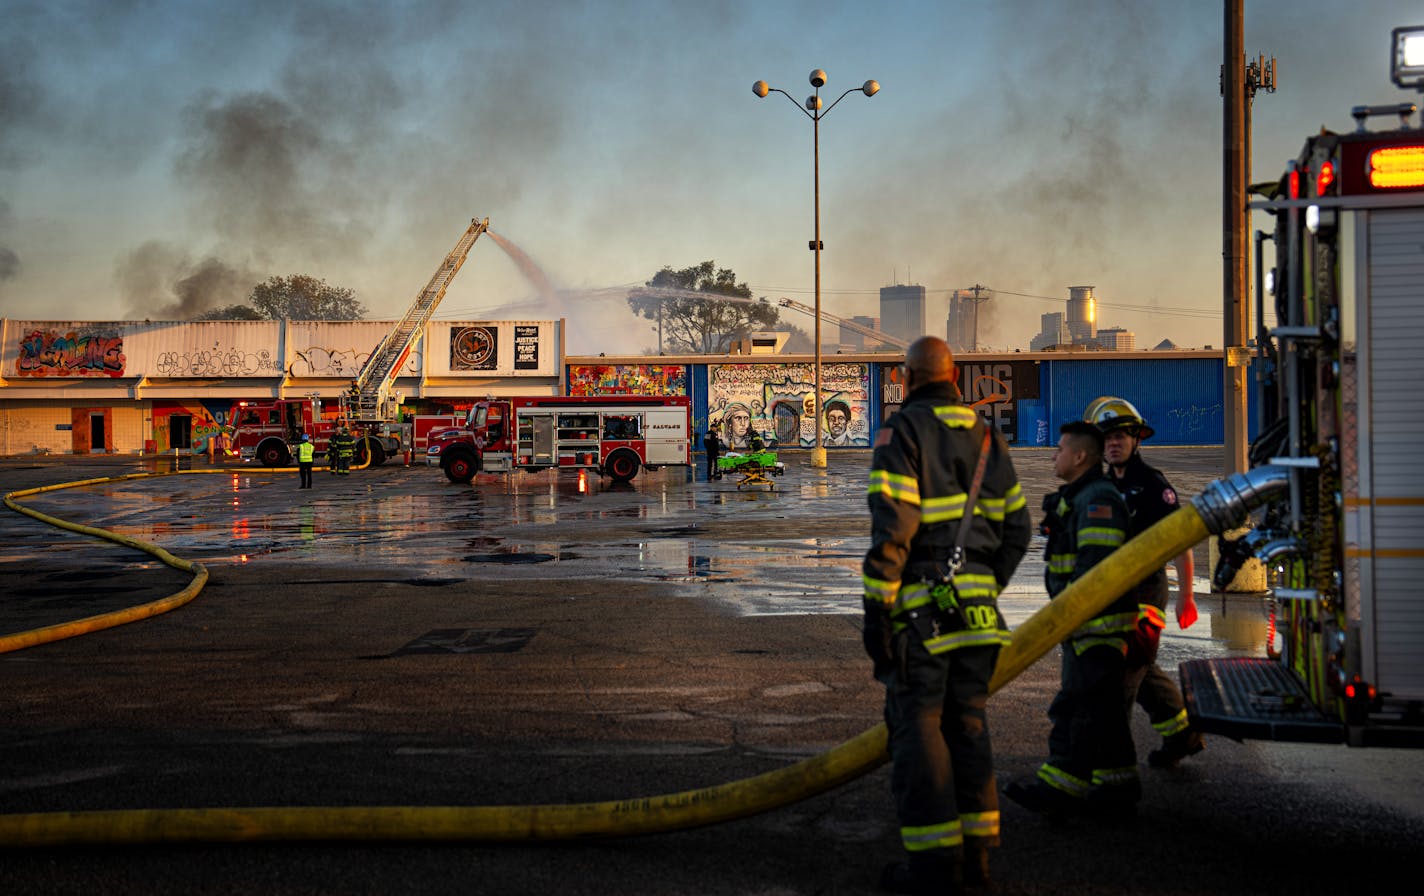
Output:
x,y
692,319
300,297
232,312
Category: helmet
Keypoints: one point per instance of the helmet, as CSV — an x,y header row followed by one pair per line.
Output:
x,y
1110,414
306,438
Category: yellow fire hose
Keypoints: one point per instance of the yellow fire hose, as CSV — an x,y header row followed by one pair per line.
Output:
x,y
618,818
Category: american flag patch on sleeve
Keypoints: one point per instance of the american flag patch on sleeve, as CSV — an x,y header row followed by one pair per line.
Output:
x,y
1100,511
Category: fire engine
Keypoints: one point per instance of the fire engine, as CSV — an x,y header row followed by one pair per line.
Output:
x,y
615,435
1342,428
266,430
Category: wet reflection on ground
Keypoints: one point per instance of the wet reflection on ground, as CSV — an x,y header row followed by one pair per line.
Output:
x,y
795,550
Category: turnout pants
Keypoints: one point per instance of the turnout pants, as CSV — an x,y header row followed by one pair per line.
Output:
x,y
943,777
1149,686
1090,745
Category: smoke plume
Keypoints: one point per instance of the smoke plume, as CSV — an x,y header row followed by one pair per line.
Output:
x,y
162,282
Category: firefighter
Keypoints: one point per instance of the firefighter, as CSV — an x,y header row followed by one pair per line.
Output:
x,y
932,625
1092,763
342,447
1150,498
306,451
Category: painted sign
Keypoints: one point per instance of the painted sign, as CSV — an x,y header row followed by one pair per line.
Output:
x,y
476,348
994,389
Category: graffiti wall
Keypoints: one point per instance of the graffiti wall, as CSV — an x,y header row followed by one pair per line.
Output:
x,y
776,402
994,389
87,351
191,425
628,379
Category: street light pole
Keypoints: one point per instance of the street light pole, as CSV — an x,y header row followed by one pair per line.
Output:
x,y
814,112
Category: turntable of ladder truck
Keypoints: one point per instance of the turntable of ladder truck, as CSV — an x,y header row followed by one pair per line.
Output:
x,y
614,435
266,429
1338,455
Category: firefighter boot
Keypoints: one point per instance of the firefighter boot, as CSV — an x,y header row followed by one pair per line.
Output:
x,y
1036,796
1177,747
924,875
976,867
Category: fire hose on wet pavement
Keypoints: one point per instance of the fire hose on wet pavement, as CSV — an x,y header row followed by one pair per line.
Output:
x,y
1222,505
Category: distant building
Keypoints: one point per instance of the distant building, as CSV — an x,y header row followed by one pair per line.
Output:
x,y
961,325
1082,315
1166,345
903,312
762,343
1053,331
1116,339
853,341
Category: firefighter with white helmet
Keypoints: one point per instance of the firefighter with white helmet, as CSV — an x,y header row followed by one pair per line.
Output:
x,y
1150,498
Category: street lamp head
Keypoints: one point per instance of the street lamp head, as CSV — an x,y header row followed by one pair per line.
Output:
x,y
818,79
870,88
813,103
761,89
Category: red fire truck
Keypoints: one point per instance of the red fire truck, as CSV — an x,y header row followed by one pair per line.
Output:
x,y
265,431
615,435
1339,448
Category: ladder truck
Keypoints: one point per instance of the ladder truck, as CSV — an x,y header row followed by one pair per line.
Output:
x,y
266,430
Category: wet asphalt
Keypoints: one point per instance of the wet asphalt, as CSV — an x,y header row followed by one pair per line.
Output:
x,y
390,638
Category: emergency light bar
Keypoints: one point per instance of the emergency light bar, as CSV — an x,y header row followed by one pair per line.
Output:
x,y
1397,166
1407,65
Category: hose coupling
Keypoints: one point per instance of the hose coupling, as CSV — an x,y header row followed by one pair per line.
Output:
x,y
1227,503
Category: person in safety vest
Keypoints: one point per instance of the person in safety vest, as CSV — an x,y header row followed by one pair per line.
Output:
x,y
1150,498
1092,763
306,451
932,624
343,445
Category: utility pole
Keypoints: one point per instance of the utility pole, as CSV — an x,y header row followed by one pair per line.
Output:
x,y
1235,307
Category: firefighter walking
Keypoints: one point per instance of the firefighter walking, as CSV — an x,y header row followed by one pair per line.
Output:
x,y
949,526
342,446
1092,763
1150,498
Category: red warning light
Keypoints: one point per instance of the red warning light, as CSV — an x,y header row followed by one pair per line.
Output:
x,y
1324,178
1294,184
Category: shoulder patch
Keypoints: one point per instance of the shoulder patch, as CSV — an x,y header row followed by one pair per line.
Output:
x,y
883,435
1100,511
1169,497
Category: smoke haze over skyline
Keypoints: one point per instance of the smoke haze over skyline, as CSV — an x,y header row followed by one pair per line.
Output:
x,y
159,158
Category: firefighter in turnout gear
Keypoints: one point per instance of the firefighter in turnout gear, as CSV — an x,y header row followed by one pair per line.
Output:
x,y
343,445
1092,763
1150,498
932,623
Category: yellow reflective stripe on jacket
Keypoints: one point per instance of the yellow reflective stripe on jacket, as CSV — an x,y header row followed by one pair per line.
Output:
x,y
939,510
1103,536
973,584
1151,615
989,637
912,595
932,836
1062,563
879,591
894,486
980,824
1083,645
957,416
1111,624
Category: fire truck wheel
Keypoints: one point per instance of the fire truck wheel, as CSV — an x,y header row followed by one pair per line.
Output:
x,y
369,447
274,453
622,465
461,467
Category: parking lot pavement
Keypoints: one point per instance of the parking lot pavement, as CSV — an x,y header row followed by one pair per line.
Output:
x,y
393,639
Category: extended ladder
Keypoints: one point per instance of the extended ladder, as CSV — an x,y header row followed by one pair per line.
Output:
x,y
369,399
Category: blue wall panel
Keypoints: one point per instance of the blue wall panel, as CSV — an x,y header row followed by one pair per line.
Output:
x,y
1181,398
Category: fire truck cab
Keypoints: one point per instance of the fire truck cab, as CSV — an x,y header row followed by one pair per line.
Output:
x,y
1343,417
615,435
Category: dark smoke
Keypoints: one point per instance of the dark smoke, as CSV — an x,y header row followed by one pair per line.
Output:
x,y
161,282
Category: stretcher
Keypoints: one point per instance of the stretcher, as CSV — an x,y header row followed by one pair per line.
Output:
x,y
754,468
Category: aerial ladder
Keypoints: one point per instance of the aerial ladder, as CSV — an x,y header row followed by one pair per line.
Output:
x,y
369,399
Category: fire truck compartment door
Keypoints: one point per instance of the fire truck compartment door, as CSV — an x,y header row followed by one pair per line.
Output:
x,y
1393,543
665,432
541,433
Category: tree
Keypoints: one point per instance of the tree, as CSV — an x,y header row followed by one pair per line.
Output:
x,y
699,323
300,297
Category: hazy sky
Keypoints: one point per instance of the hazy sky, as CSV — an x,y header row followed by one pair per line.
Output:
x,y
158,158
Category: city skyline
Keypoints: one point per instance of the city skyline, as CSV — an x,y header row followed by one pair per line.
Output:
x,y
160,155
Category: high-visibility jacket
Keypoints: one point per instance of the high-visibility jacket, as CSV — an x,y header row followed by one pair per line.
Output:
x,y
343,444
305,452
923,466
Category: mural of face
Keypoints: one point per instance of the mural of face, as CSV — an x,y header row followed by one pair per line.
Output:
x,y
739,425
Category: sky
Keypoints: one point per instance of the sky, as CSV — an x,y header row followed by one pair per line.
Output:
x,y
158,158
